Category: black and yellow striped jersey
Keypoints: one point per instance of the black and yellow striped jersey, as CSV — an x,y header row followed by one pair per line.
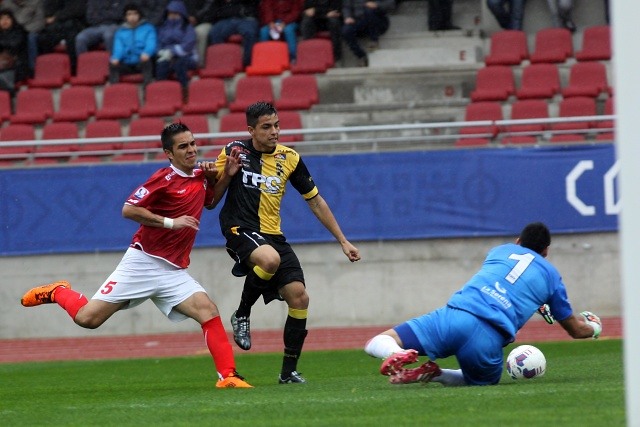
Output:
x,y
255,193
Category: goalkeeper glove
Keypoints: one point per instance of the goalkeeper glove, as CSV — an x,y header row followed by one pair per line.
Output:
x,y
545,312
593,321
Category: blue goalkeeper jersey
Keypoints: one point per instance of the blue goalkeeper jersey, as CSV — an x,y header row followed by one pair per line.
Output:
x,y
511,285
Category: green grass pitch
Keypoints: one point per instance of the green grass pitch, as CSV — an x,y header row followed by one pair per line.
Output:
x,y
583,385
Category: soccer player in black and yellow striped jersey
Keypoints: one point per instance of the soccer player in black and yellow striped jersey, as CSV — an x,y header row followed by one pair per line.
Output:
x,y
250,222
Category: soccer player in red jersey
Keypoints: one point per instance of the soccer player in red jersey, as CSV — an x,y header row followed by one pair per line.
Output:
x,y
168,207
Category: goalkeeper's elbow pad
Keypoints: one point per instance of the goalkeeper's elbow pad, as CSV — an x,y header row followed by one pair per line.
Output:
x,y
593,321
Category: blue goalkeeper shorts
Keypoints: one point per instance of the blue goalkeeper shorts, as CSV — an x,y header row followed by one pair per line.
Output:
x,y
451,332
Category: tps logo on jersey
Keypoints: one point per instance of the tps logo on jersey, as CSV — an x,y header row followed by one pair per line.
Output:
x,y
140,193
267,184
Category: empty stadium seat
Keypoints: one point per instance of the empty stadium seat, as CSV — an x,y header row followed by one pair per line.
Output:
x,y
119,101
495,83
197,124
222,60
66,131
5,105
77,103
17,132
587,79
92,68
162,98
552,45
52,70
251,89
268,58
596,44
539,81
102,129
480,111
206,96
313,56
33,106
526,109
145,126
298,92
290,120
232,122
575,107
508,47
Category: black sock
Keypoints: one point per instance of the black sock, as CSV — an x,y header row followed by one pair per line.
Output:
x,y
250,294
294,336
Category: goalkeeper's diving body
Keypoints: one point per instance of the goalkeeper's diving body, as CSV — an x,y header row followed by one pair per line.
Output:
x,y
515,282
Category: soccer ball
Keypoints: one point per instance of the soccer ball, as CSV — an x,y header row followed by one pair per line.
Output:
x,y
526,361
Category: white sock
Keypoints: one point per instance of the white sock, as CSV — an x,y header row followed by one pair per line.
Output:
x,y
450,378
381,346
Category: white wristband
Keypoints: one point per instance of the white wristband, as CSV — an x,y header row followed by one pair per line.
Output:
x,y
168,223
597,328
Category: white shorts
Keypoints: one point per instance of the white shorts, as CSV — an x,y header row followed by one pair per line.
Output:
x,y
139,277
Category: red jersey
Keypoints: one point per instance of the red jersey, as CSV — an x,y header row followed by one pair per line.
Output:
x,y
171,193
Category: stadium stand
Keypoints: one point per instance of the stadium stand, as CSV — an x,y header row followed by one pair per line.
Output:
x,y
587,79
119,101
101,129
206,96
526,109
17,132
52,70
539,81
250,89
222,60
268,58
5,105
313,56
59,130
33,106
162,98
494,83
298,92
575,107
77,103
480,111
92,68
552,45
508,47
596,44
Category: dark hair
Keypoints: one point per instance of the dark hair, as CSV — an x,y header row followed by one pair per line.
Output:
x,y
132,6
169,132
257,110
535,236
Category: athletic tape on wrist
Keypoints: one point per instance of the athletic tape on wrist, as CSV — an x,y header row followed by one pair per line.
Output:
x,y
168,223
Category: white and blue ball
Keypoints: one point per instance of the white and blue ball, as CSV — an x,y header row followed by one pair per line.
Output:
x,y
526,362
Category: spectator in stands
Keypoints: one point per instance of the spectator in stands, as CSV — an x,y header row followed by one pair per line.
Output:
x,y
153,10
561,14
279,19
134,45
508,13
200,16
64,19
103,18
439,15
29,14
362,17
176,45
13,52
607,12
231,17
319,15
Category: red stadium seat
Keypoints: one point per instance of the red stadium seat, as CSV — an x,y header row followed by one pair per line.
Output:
x,y
63,131
206,96
119,101
77,103
33,106
539,81
222,60
92,68
162,98
480,111
251,89
526,109
596,44
52,70
298,92
508,47
102,129
553,45
587,79
232,122
313,56
142,127
5,105
575,107
268,58
17,132
495,83
290,120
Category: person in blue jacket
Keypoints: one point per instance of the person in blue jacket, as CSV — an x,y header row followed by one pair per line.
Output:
x,y
484,316
177,51
134,46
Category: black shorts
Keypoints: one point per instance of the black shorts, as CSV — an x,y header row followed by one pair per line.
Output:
x,y
240,245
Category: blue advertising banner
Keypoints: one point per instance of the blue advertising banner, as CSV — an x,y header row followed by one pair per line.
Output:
x,y
374,196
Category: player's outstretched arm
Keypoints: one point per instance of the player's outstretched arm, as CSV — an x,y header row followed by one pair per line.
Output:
x,y
145,217
322,211
221,179
583,325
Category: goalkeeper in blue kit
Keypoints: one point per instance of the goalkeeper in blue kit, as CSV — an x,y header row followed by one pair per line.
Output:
x,y
515,282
